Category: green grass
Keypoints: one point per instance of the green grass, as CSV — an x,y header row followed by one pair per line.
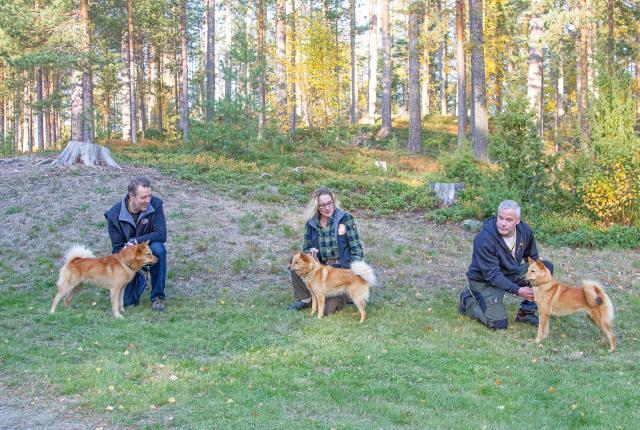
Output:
x,y
251,364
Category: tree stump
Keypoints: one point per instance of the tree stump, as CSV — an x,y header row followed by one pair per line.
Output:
x,y
446,191
86,153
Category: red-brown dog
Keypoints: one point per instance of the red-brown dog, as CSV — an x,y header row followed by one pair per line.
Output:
x,y
555,298
113,272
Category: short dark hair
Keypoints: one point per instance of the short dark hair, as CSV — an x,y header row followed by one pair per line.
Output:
x,y
138,181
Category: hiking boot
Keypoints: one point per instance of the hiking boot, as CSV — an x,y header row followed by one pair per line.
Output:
x,y
464,296
298,305
527,317
158,305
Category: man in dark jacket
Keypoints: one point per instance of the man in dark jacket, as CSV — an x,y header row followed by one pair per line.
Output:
x,y
497,268
139,217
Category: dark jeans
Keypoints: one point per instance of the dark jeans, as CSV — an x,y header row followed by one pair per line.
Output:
x,y
133,291
301,292
484,302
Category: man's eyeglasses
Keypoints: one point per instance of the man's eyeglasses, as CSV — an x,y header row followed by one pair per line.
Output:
x,y
325,205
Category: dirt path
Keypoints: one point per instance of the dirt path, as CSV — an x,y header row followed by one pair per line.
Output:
x,y
218,246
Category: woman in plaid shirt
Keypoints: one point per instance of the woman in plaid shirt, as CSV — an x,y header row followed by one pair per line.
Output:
x,y
330,234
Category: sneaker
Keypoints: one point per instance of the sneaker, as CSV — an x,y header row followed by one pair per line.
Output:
x,y
299,304
529,318
158,305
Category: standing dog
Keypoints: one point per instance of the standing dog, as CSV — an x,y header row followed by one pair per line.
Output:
x,y
113,272
554,298
326,281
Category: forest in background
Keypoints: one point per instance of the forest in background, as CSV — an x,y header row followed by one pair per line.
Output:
x,y
544,95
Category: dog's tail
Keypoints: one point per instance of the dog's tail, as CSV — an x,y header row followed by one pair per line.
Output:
x,y
77,251
596,296
365,271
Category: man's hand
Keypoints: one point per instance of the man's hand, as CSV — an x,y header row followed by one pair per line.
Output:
x,y
313,252
526,293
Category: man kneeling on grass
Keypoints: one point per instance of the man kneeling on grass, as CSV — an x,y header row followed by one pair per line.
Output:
x,y
139,217
497,268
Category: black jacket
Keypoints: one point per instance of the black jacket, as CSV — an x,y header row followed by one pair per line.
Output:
x,y
492,261
122,229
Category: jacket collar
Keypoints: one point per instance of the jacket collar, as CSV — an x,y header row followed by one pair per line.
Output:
x,y
336,217
126,216
491,228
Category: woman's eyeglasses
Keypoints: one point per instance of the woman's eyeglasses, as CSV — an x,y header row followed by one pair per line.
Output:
x,y
325,205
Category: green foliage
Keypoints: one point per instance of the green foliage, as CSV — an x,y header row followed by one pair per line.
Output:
x,y
609,183
518,150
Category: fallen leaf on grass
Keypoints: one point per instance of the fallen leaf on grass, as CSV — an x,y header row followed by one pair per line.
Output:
x,y
109,408
498,382
574,407
552,389
172,400
173,377
501,407
229,401
428,328
98,370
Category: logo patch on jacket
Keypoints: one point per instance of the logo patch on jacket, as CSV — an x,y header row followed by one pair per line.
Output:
x,y
144,221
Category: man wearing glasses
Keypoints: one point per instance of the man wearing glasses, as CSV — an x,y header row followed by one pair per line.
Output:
x,y
330,235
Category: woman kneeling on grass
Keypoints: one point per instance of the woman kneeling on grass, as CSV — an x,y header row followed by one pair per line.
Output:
x,y
330,234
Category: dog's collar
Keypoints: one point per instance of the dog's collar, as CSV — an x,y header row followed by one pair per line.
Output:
x,y
130,268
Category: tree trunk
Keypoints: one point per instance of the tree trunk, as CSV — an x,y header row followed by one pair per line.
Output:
x,y
48,112
125,90
481,119
141,89
373,60
77,132
87,87
130,72
535,67
415,117
426,64
39,98
293,77
159,89
211,59
228,21
86,153
461,65
442,58
638,69
611,43
559,102
262,68
352,48
184,102
582,77
385,111
28,102
281,59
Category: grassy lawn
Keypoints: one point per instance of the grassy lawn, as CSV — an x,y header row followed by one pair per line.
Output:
x,y
227,354
250,364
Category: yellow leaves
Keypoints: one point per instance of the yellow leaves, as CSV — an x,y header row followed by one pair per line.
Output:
x,y
171,400
610,194
551,390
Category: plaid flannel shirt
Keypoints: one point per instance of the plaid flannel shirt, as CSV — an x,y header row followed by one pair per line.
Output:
x,y
328,243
